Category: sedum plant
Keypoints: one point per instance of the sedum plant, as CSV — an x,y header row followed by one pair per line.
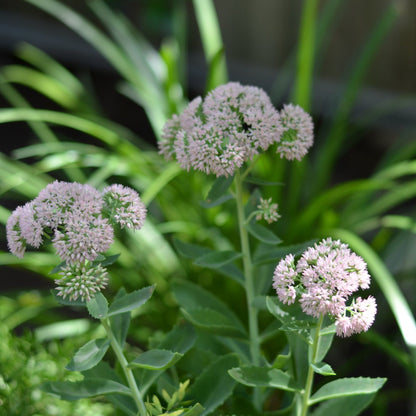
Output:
x,y
79,219
223,135
232,155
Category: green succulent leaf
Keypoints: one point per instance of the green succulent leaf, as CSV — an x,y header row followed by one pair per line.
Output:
x,y
214,385
217,259
263,377
98,306
213,321
347,387
130,301
263,234
156,359
89,387
323,369
219,188
345,406
89,355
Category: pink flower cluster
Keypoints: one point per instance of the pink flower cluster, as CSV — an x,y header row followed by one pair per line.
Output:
x,y
297,135
79,219
126,207
230,126
323,279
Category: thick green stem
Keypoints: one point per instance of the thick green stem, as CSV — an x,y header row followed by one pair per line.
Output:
x,y
309,378
137,397
248,273
249,283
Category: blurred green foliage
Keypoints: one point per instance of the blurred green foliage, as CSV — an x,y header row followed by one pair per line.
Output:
x,y
26,362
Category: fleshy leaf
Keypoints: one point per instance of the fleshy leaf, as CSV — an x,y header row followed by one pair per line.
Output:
x,y
108,261
345,406
263,234
280,361
263,377
156,359
130,301
213,321
216,202
219,188
214,385
347,387
323,368
196,410
98,306
89,355
190,251
179,339
217,259
194,251
190,296
89,387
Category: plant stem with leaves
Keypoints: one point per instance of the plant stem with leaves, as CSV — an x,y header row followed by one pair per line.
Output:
x,y
137,397
306,393
249,281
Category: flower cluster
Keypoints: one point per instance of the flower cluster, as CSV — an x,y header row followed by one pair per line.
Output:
x,y
297,135
81,280
229,127
127,208
267,210
323,279
79,219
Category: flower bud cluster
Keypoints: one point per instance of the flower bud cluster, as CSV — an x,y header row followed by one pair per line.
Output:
x,y
79,219
230,126
267,210
322,280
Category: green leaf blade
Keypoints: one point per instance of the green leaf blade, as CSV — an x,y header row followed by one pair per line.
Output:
x,y
323,369
213,322
89,355
263,377
347,387
156,359
345,406
98,306
263,234
214,385
89,387
131,301
215,260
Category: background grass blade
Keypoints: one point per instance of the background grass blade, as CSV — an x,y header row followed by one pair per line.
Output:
x,y
209,29
336,137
